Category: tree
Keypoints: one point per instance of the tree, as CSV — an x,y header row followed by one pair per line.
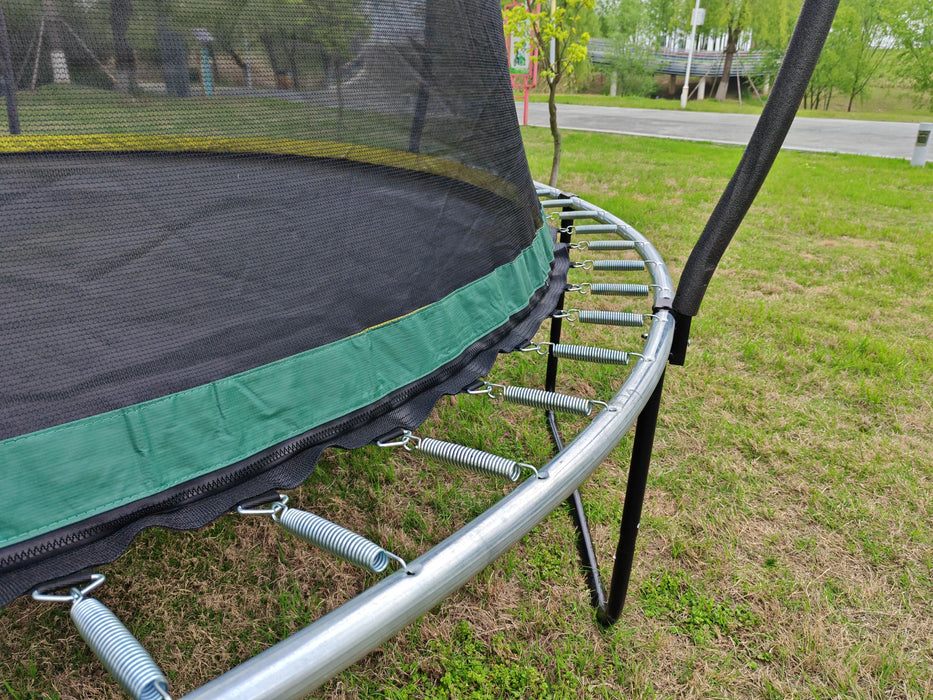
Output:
x,y
860,31
626,24
771,23
911,23
124,58
544,29
293,33
824,79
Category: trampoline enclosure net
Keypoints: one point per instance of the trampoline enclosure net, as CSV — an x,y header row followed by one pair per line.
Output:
x,y
234,233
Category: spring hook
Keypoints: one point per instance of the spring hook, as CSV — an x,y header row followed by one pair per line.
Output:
x,y
572,316
540,348
272,510
493,391
74,594
405,440
119,651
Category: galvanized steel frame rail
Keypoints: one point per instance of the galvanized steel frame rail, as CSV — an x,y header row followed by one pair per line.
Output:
x,y
308,658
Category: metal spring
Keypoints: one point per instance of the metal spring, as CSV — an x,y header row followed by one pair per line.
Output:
x,y
617,290
582,214
618,244
585,353
463,456
618,265
611,265
546,203
119,651
597,228
610,318
547,400
333,538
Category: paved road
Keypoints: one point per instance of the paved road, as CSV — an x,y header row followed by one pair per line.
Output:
x,y
886,139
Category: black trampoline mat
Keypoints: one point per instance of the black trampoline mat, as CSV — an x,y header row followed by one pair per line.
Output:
x,y
124,277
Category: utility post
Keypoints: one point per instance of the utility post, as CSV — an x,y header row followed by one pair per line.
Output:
x,y
204,38
697,19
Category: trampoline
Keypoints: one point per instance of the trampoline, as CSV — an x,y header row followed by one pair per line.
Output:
x,y
219,261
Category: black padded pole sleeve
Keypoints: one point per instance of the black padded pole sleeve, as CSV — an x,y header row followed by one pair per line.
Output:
x,y
813,25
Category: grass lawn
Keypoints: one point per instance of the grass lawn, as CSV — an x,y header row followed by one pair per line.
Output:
x,y
884,105
786,548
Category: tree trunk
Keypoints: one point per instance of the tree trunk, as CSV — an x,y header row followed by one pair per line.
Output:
x,y
731,44
124,58
338,69
230,51
269,44
291,51
555,132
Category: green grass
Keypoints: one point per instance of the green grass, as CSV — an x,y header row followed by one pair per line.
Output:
x,y
884,104
785,549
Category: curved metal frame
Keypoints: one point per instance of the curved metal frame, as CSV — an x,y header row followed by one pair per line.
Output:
x,y
300,663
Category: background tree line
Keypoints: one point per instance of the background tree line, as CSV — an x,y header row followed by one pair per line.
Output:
x,y
106,42
868,36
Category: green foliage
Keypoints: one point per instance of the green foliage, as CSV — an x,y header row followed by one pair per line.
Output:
x,y
469,667
665,15
770,21
851,56
623,18
634,76
860,44
474,670
728,15
859,31
675,597
911,24
532,23
626,23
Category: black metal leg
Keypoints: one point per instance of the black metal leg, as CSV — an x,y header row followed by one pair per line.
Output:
x,y
584,541
631,511
587,554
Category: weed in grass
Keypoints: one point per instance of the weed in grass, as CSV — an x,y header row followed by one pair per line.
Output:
x,y
672,595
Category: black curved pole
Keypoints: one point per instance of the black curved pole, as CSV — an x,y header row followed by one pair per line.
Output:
x,y
813,24
7,78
